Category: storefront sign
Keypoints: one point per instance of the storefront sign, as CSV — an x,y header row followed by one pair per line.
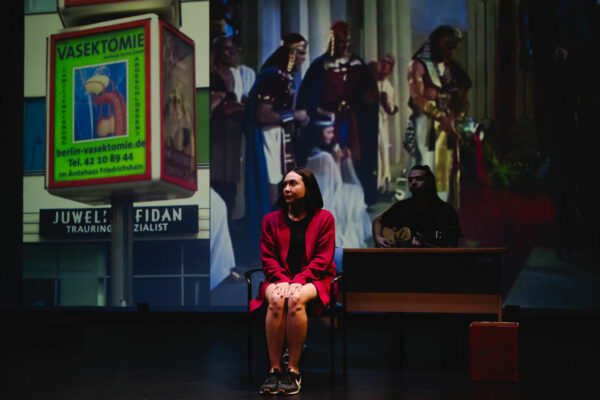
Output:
x,y
96,222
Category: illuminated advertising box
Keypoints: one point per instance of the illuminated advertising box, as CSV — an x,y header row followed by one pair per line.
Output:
x,y
121,112
85,12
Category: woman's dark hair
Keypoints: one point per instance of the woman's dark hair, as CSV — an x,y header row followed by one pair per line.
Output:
x,y
428,176
313,198
281,56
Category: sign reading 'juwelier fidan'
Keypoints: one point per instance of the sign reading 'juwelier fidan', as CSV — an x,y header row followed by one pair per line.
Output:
x,y
96,222
99,96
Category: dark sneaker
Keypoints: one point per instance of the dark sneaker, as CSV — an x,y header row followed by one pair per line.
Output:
x,y
271,384
290,382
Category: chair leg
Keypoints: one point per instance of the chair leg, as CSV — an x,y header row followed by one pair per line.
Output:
x,y
250,343
344,322
332,345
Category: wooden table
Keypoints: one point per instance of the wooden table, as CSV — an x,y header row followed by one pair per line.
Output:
x,y
420,280
424,280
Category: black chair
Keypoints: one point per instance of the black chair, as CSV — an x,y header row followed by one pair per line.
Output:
x,y
333,310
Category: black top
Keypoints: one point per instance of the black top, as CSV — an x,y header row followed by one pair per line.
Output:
x,y
438,216
297,243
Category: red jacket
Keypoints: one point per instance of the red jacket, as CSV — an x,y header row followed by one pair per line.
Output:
x,y
317,267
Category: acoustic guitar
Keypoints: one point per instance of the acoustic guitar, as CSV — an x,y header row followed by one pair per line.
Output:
x,y
403,237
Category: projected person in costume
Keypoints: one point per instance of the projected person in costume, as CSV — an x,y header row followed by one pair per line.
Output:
x,y
382,69
229,85
341,190
296,247
438,99
340,82
269,123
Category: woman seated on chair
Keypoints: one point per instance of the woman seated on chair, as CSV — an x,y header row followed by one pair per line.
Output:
x,y
297,247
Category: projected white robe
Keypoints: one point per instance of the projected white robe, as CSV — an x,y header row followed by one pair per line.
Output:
x,y
221,250
343,196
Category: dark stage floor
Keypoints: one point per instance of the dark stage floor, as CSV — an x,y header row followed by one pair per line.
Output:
x,y
173,355
130,355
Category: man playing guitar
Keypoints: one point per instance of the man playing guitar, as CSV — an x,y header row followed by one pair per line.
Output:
x,y
421,220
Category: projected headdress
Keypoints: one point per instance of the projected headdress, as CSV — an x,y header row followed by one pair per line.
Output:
x,y
427,50
294,48
339,31
284,57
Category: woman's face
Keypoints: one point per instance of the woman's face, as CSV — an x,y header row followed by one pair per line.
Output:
x,y
300,57
293,187
328,134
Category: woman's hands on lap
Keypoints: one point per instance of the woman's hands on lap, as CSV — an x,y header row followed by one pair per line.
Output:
x,y
281,289
286,290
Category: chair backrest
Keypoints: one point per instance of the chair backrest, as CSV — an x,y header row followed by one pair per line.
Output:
x,y
338,258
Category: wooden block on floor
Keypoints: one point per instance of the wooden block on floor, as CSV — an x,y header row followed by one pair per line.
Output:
x,y
494,351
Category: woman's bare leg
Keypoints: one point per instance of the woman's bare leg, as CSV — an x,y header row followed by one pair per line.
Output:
x,y
275,324
297,323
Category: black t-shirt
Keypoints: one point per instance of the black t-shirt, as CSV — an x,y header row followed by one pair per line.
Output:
x,y
438,216
297,243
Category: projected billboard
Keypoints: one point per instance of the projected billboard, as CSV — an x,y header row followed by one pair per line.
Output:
x,y
121,112
100,101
